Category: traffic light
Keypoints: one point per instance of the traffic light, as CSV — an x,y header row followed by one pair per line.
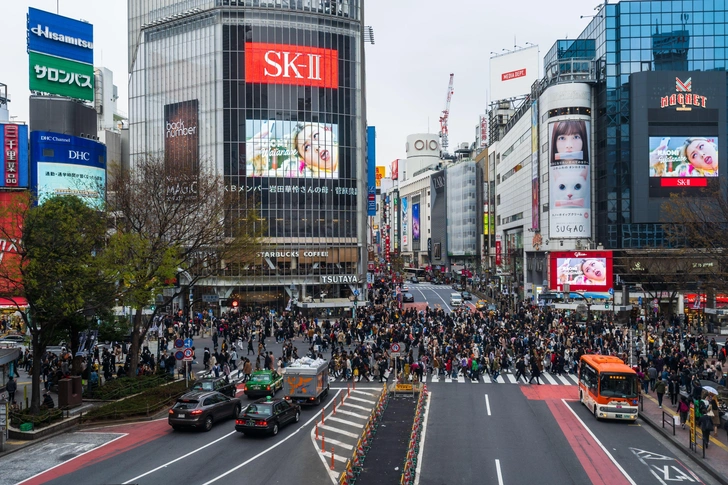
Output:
x,y
235,303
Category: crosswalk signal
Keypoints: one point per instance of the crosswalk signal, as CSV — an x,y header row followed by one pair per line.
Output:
x,y
235,303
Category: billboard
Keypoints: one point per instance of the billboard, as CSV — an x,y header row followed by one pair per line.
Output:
x,y
381,171
275,148
535,173
54,75
415,222
569,180
372,171
181,137
14,156
394,169
582,270
291,64
512,74
682,161
68,165
60,36
405,222
12,205
483,131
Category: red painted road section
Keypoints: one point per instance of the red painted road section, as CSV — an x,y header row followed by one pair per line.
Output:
x,y
598,466
139,434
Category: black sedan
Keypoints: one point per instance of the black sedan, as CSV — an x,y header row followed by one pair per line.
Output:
x,y
200,409
267,416
467,295
408,298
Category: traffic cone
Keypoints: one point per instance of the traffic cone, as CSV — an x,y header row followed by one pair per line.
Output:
x,y
322,416
332,457
349,474
369,434
316,428
334,407
323,443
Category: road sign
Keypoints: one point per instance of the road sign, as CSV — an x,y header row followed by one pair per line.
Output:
x,y
639,300
606,306
395,347
611,291
210,298
179,343
179,355
187,355
188,342
356,292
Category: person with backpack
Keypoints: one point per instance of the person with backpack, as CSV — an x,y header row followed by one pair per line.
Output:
x,y
660,389
683,407
706,426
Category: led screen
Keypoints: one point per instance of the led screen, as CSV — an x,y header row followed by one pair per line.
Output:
x,y
291,149
416,222
682,157
582,270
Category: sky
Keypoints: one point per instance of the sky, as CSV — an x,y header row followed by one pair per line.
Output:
x,y
418,43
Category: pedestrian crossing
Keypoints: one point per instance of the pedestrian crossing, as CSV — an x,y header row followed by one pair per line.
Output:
x,y
504,378
422,286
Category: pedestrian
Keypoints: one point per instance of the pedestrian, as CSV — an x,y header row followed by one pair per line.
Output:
x,y
652,375
706,426
11,387
535,371
660,389
683,409
673,388
520,369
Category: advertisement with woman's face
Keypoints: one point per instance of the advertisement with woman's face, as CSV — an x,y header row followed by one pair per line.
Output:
x,y
569,180
290,149
416,222
582,270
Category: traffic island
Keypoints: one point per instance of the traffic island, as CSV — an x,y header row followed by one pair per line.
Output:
x,y
384,461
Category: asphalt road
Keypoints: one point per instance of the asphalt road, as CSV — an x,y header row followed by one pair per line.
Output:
x,y
476,432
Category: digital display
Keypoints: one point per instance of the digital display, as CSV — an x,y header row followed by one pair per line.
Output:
x,y
181,137
582,270
291,149
291,64
681,157
416,222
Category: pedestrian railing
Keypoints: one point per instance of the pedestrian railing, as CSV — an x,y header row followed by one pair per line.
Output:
x,y
669,419
410,463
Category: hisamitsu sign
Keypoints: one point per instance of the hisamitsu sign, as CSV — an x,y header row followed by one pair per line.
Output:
x,y
60,36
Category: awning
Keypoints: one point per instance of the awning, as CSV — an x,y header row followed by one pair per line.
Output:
x,y
9,355
14,302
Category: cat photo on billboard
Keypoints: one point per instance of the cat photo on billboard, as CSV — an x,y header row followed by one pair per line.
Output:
x,y
571,188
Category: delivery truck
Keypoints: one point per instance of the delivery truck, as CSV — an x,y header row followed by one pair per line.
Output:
x,y
306,381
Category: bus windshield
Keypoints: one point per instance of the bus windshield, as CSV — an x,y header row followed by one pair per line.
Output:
x,y
618,385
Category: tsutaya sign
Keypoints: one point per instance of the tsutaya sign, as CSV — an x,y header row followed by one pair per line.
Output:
x,y
291,64
684,98
293,254
339,278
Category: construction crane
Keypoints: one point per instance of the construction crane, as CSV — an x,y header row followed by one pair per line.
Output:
x,y
445,115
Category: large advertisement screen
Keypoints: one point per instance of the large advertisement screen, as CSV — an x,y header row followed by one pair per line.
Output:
x,y
60,36
569,180
512,74
181,137
405,222
682,161
582,270
290,149
68,165
535,172
13,155
416,222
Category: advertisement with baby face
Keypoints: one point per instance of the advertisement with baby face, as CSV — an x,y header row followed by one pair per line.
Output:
x,y
682,161
290,149
569,180
582,270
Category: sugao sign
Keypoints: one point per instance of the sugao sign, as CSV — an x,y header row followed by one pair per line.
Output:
x,y
291,64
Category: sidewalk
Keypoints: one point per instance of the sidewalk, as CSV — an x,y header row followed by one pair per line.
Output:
x,y
716,456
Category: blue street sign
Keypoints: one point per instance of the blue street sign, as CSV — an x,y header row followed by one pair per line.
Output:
x,y
611,291
272,312
188,342
356,292
179,355
639,300
179,343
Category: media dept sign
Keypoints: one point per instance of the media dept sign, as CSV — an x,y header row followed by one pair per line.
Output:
x,y
61,55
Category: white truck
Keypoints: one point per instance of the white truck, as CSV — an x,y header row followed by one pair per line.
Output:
x,y
306,381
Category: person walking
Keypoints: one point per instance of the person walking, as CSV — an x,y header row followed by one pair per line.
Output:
x,y
706,426
660,389
673,388
11,387
683,409
520,369
652,374
535,372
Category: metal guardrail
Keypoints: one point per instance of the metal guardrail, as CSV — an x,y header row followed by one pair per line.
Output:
x,y
670,420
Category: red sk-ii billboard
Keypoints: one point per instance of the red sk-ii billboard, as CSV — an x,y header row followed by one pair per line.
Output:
x,y
291,64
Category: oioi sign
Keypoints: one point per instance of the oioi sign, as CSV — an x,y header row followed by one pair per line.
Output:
x,y
54,75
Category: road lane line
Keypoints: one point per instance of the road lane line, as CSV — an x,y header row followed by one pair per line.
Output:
x,y
362,400
368,393
487,404
340,458
420,453
180,458
498,470
356,406
344,421
272,447
356,415
338,430
606,452
339,443
74,458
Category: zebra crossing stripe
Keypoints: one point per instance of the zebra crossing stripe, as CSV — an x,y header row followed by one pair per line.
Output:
x,y
565,380
511,378
486,379
547,377
461,378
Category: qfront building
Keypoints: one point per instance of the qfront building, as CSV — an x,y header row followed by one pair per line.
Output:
x,y
270,94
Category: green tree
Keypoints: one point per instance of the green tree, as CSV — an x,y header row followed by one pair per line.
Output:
x,y
171,222
57,265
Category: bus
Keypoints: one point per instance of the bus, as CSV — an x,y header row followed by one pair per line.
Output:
x,y
410,273
608,388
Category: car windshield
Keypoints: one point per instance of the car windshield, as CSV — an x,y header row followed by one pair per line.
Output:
x,y
186,404
259,410
260,378
205,386
618,385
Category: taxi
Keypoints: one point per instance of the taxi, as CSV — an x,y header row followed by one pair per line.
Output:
x,y
481,305
263,383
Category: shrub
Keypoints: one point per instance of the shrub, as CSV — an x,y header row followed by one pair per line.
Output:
x,y
43,418
146,403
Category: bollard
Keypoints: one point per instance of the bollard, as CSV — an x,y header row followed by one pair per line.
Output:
x,y
348,391
334,407
323,443
342,400
322,416
332,457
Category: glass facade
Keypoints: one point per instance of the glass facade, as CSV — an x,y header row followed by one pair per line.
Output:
x,y
634,36
274,89
462,210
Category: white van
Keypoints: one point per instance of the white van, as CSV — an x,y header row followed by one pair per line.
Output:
x,y
456,299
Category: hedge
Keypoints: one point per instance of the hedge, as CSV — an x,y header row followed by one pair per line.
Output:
x,y
146,403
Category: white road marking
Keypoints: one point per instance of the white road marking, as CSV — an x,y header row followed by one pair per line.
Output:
x,y
362,400
498,470
487,404
511,378
368,393
418,469
486,379
629,479
349,413
564,380
356,406
344,421
547,377
461,378
338,443
272,447
340,431
340,458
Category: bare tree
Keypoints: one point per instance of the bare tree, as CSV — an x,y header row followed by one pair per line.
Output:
x,y
170,222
